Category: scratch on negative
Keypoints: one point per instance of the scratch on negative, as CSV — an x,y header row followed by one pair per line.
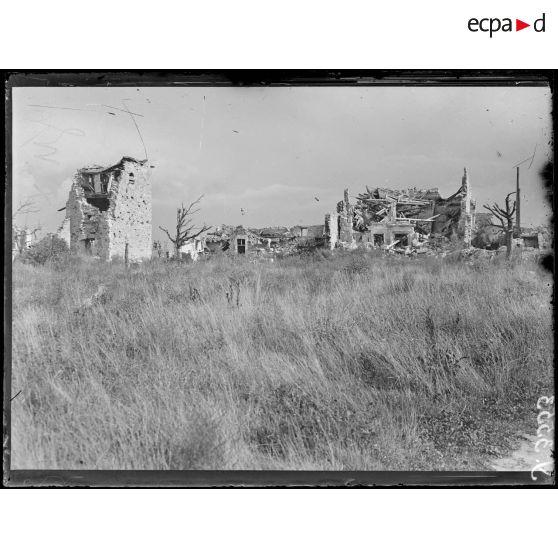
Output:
x,y
202,123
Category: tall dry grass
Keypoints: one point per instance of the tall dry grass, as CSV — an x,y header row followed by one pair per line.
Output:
x,y
328,361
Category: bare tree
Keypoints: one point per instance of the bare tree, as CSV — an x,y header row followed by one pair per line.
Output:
x,y
185,229
28,205
505,216
22,235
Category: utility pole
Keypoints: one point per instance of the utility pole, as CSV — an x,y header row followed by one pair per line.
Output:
x,y
517,228
517,205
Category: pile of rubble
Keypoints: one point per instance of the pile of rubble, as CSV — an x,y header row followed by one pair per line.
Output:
x,y
280,241
401,221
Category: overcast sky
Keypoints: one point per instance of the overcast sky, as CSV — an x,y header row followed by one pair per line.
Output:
x,y
273,151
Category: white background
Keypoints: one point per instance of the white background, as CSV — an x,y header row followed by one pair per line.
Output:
x,y
252,34
261,34
277,523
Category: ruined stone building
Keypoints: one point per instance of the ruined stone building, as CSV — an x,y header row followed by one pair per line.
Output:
x,y
108,212
537,238
63,231
193,248
242,241
403,218
278,240
308,231
22,238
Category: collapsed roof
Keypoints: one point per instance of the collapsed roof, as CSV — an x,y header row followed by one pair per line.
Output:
x,y
425,208
96,169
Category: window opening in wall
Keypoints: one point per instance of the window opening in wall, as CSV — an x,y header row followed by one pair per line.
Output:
x,y
378,239
403,240
96,178
131,178
531,241
241,245
104,183
101,203
88,246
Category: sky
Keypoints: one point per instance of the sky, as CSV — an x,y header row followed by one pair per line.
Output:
x,y
264,156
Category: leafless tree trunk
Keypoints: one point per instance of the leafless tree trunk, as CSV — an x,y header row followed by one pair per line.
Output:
x,y
185,230
506,220
21,233
126,256
29,205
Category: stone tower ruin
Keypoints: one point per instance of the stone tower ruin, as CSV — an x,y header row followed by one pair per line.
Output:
x,y
109,211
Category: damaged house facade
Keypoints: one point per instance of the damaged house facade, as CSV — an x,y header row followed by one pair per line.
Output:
x,y
193,248
278,240
401,219
108,212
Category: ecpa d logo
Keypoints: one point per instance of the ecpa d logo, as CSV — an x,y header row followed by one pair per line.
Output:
x,y
494,24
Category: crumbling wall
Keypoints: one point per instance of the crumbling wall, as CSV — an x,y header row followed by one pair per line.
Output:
x,y
346,216
89,227
193,248
63,231
129,214
242,241
391,232
457,214
466,213
331,230
109,210
382,217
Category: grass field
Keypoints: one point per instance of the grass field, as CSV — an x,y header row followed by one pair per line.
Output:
x,y
347,361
